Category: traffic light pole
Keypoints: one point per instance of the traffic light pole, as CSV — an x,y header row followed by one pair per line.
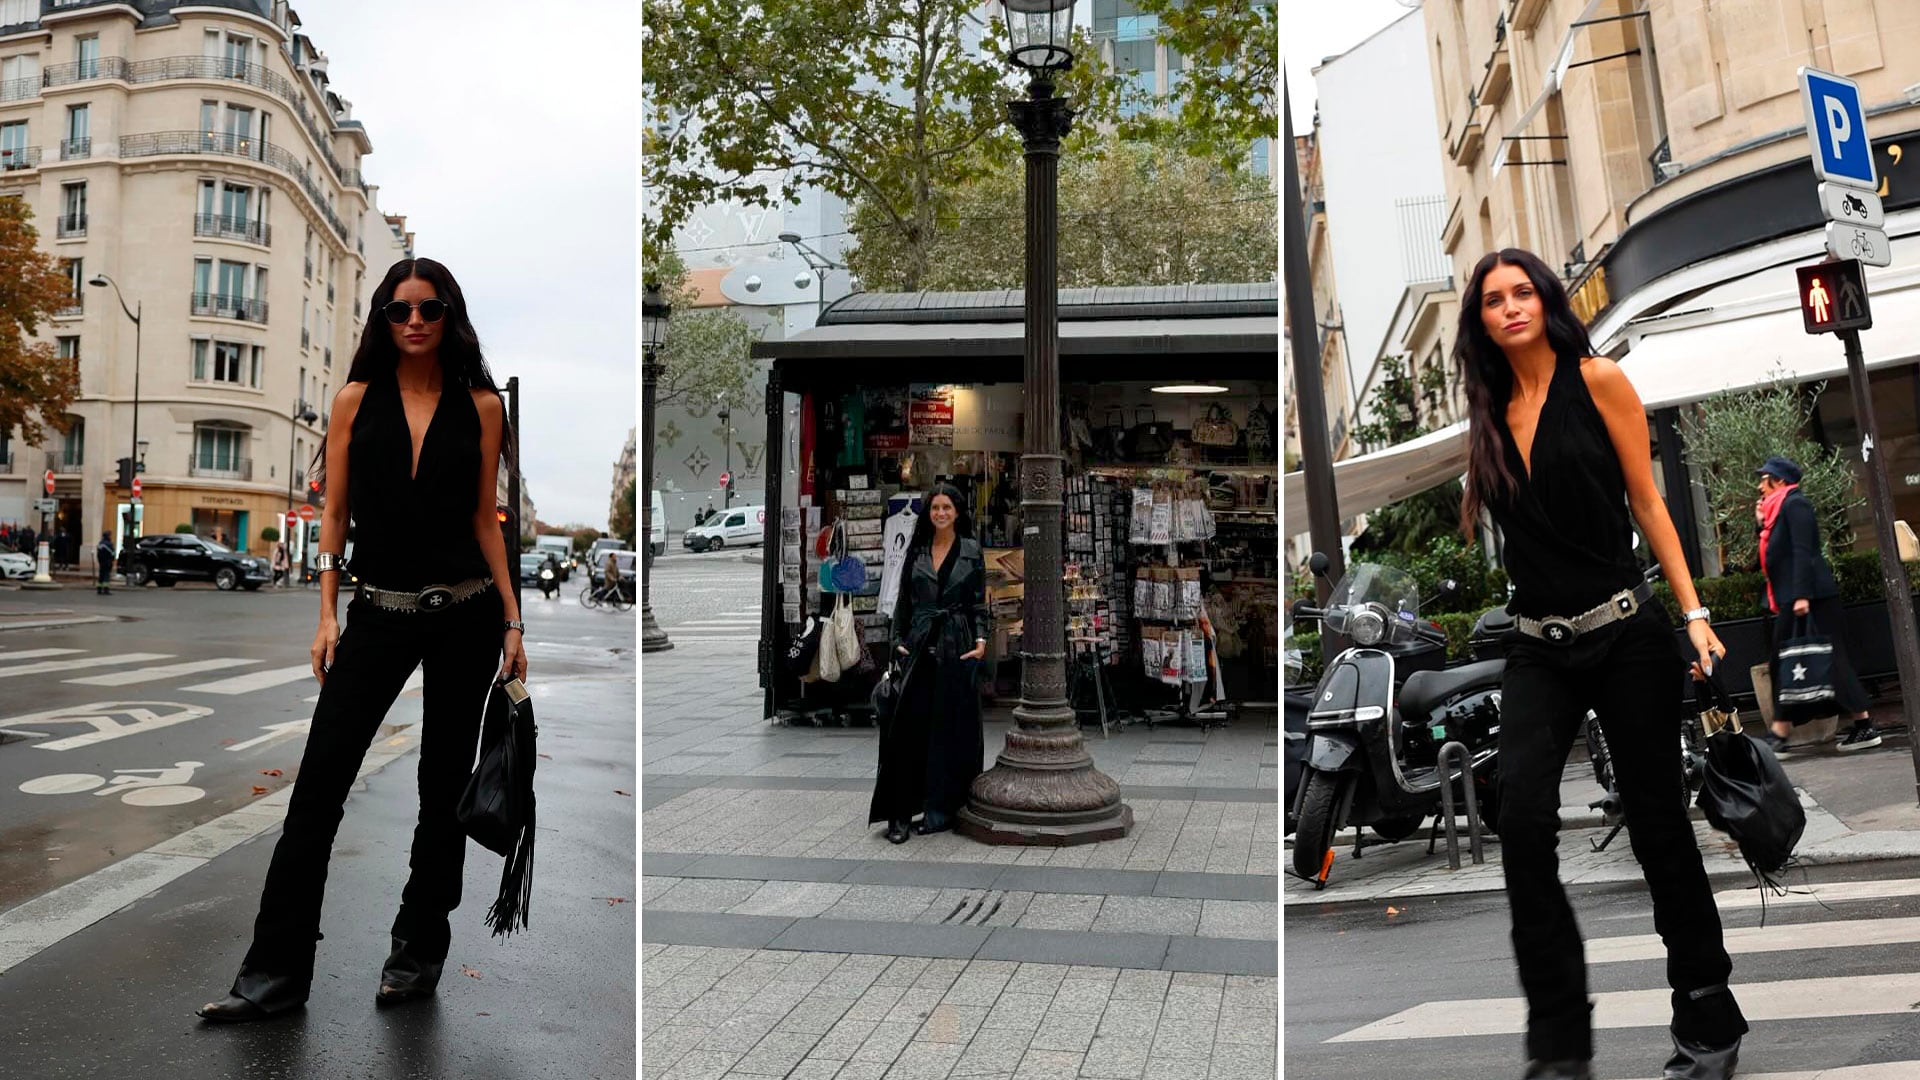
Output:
x,y
1906,632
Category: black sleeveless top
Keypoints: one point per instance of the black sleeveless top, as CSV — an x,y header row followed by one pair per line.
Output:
x,y
411,531
1568,533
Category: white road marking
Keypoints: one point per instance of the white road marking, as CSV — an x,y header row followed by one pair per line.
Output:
x,y
155,674
255,680
1885,1070
275,731
1758,939
1789,999
143,716
34,654
83,662
1828,892
739,639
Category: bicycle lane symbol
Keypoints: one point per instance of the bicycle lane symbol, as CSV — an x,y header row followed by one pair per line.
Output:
x,y
157,787
108,719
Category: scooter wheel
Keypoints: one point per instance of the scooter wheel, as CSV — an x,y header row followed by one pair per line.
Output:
x,y
1313,836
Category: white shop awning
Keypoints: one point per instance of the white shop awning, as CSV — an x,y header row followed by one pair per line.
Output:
x,y
1386,476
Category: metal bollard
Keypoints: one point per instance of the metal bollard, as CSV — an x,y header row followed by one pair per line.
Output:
x,y
1459,749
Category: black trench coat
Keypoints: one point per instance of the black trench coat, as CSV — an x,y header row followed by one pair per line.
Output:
x,y
934,746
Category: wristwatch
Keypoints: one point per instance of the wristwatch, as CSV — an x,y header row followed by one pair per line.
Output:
x,y
1697,613
514,624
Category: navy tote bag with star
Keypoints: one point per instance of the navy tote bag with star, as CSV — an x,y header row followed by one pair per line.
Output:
x,y
1803,674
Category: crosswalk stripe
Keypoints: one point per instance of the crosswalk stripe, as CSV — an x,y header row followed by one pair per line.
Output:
x,y
710,639
1758,939
1885,1070
1789,999
83,662
255,680
414,682
35,654
1828,891
155,674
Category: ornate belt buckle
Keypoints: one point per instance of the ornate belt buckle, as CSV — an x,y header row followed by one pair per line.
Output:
x,y
434,597
1558,630
1629,605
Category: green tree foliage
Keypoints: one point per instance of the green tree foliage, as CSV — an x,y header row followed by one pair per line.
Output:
x,y
583,540
1133,213
707,354
1729,436
36,386
1402,408
623,524
1228,94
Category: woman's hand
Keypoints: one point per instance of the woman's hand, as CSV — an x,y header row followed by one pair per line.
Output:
x,y
979,652
324,640
513,663
1802,606
1707,644
903,650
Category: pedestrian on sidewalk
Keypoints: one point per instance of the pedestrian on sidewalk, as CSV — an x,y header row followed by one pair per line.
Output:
x,y
280,561
1799,575
932,749
413,461
1558,452
103,558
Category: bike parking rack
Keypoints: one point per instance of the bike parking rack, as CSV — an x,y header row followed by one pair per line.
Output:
x,y
1459,749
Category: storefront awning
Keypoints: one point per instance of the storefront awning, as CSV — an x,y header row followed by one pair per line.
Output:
x,y
1386,476
1113,337
1690,363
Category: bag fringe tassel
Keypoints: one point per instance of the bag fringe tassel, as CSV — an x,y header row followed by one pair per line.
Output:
x,y
516,887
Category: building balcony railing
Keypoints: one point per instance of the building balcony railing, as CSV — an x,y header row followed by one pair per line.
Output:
x,y
219,467
100,67
19,89
222,306
76,149
233,228
62,463
158,143
76,307
71,225
16,158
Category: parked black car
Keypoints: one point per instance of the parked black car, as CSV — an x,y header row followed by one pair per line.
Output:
x,y
164,560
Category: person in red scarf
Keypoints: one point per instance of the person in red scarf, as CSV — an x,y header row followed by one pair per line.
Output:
x,y
1800,583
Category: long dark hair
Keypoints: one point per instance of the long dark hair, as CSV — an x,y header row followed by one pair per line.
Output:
x,y
1489,375
462,364
923,527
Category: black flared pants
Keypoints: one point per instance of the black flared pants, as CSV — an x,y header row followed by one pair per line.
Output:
x,y
1631,674
459,649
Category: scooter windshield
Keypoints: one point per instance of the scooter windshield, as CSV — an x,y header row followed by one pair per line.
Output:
x,y
1374,604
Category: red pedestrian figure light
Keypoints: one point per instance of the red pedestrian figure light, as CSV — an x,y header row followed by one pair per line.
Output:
x,y
1833,297
1817,299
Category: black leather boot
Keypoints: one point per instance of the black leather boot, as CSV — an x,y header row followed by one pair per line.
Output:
x,y
896,832
1698,1061
405,977
257,996
1559,1070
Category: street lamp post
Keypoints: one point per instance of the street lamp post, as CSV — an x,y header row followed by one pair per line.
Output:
x,y
816,262
1043,789
102,281
654,312
302,414
726,427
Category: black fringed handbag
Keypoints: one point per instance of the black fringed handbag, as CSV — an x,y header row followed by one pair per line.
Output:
x,y
497,807
1746,793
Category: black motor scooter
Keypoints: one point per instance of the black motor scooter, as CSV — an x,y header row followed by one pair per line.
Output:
x,y
1380,715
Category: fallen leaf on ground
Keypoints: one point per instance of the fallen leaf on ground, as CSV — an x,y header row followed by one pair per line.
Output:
x,y
271,772
483,1014
258,790
548,757
612,900
469,972
1392,911
628,794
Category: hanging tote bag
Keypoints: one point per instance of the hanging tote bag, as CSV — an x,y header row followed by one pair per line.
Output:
x,y
496,809
1803,673
1746,794
846,636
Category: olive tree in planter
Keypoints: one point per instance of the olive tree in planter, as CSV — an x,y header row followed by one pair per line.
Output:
x,y
1729,436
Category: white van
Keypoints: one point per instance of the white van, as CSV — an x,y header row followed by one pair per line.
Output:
x,y
657,535
742,526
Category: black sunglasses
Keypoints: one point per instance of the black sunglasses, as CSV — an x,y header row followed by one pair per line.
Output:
x,y
399,311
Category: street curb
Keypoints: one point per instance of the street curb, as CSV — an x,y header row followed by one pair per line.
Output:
x,y
52,917
46,624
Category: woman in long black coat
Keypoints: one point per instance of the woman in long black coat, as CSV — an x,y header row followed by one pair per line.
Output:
x,y
934,746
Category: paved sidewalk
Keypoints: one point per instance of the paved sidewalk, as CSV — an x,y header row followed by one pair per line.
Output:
x,y
783,936
1860,807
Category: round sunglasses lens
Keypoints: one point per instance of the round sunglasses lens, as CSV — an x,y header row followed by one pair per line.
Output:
x,y
433,310
398,311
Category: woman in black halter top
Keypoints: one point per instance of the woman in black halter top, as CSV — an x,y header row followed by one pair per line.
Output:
x,y
1558,454
413,457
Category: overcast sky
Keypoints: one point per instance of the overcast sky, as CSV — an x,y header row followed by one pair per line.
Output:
x,y
1311,31
505,133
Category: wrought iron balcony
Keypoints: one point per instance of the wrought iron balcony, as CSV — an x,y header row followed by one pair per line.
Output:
x,y
62,463
19,89
222,306
76,307
100,67
219,467
71,225
233,228
160,143
76,149
16,158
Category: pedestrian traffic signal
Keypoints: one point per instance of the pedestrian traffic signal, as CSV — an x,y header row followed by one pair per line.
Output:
x,y
1833,297
313,492
125,466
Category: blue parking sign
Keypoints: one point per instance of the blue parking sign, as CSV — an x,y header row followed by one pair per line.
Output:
x,y
1837,127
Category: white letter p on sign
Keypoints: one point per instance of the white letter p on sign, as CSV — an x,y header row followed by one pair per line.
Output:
x,y
1839,126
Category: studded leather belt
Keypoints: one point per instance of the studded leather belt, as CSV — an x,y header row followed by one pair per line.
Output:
x,y
431,598
1558,630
